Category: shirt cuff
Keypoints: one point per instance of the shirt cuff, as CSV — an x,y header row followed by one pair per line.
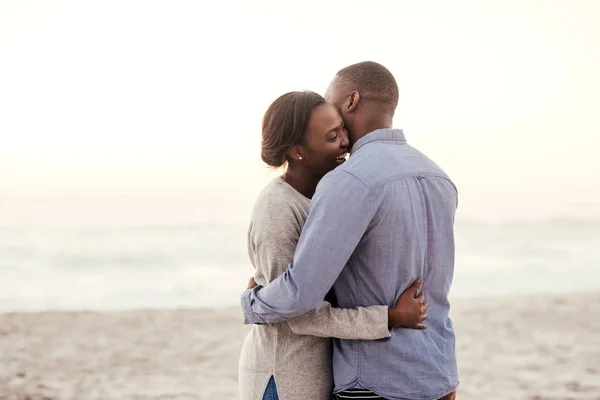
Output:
x,y
250,317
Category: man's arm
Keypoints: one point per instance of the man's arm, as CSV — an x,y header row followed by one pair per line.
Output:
x,y
340,213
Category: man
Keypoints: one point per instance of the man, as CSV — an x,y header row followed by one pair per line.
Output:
x,y
376,224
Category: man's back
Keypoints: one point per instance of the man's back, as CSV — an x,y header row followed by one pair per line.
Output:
x,y
410,237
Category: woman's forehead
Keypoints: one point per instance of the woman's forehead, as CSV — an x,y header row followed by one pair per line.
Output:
x,y
324,118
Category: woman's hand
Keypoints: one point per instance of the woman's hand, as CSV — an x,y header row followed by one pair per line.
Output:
x,y
410,310
251,283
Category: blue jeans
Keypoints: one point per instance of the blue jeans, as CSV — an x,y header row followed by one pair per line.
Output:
x,y
271,391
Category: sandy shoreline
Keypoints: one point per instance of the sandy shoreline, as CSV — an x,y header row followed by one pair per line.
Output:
x,y
542,347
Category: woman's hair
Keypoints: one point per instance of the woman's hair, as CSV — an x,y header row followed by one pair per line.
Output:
x,y
285,123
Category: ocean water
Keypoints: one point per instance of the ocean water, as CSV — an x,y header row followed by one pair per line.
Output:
x,y
176,253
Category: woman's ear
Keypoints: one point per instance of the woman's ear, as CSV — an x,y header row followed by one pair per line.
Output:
x,y
295,153
352,101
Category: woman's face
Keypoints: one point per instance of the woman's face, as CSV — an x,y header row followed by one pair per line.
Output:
x,y
326,140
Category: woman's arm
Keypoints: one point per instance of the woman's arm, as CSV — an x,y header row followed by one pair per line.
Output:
x,y
368,323
272,239
343,323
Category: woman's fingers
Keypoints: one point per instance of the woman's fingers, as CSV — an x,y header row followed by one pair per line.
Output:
x,y
414,288
421,296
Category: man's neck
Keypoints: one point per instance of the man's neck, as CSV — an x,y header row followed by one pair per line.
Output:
x,y
370,126
301,180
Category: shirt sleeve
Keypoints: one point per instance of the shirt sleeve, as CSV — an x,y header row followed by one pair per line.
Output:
x,y
368,323
340,213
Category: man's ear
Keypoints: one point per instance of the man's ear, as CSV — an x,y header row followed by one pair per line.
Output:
x,y
352,101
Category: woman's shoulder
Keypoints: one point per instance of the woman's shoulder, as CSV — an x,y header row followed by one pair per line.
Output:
x,y
278,193
279,200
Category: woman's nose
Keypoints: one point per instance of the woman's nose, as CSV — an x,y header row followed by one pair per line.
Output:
x,y
345,141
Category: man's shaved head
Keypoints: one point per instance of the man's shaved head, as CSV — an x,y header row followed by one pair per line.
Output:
x,y
373,81
366,95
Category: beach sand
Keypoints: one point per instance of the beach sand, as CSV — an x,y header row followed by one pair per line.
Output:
x,y
538,347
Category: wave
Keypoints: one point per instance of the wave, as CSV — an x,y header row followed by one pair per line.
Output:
x,y
549,222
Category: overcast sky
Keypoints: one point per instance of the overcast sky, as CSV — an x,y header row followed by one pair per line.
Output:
x,y
150,97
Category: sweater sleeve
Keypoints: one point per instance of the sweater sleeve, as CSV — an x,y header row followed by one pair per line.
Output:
x,y
343,323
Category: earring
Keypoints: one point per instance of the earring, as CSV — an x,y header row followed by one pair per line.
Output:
x,y
300,158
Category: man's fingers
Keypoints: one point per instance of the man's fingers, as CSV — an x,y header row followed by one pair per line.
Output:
x,y
421,326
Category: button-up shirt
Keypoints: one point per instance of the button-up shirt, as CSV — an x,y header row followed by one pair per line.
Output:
x,y
377,223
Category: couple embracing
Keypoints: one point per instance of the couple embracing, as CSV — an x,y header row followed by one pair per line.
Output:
x,y
353,249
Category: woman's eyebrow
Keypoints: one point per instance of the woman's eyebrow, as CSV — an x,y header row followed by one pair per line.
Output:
x,y
341,124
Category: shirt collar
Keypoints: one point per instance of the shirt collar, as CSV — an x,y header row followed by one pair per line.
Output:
x,y
391,135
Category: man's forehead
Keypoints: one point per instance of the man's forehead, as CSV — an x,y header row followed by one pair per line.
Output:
x,y
331,89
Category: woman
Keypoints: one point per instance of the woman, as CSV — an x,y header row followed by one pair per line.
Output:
x,y
305,132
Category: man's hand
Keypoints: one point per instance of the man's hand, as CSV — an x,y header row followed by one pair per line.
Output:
x,y
251,283
410,310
